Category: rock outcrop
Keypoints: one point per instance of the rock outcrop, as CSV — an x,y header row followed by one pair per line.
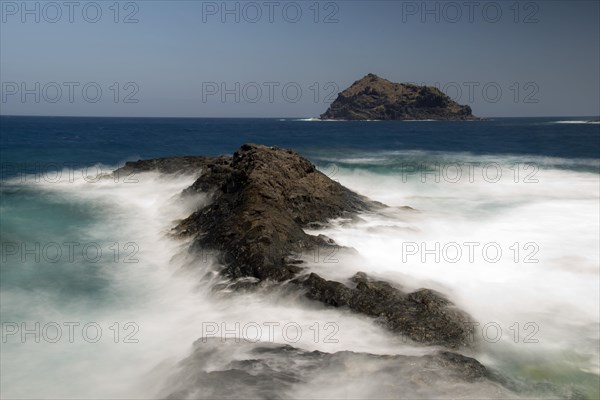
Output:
x,y
167,165
218,369
262,198
375,98
424,316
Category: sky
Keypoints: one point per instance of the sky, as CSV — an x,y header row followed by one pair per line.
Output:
x,y
291,58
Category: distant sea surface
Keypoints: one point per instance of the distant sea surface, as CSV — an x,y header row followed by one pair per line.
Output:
x,y
113,140
526,189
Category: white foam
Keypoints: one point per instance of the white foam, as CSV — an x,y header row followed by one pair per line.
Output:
x,y
558,217
577,122
170,301
165,294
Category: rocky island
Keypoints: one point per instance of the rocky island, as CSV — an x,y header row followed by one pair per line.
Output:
x,y
375,98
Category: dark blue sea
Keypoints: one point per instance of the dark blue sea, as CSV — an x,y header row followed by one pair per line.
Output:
x,y
82,141
96,292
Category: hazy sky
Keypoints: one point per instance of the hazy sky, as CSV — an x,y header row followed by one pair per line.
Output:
x,y
290,59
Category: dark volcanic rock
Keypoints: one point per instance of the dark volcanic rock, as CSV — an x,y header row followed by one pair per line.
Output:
x,y
167,165
424,316
373,97
262,198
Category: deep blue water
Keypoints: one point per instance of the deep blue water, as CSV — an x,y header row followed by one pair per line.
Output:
x,y
85,141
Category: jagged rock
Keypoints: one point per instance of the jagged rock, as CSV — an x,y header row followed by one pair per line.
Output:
x,y
424,316
262,198
375,98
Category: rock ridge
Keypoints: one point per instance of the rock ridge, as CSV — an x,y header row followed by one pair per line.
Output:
x,y
261,199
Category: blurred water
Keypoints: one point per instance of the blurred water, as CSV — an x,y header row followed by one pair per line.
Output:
x,y
529,182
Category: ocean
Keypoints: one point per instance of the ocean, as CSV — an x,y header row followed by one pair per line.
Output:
x,y
98,300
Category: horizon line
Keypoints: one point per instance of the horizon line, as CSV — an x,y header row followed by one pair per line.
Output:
x,y
296,117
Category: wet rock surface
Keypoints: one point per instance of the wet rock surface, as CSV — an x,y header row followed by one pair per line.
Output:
x,y
166,165
224,369
424,316
262,198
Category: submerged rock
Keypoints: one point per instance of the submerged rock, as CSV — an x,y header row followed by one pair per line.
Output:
x,y
219,369
375,98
